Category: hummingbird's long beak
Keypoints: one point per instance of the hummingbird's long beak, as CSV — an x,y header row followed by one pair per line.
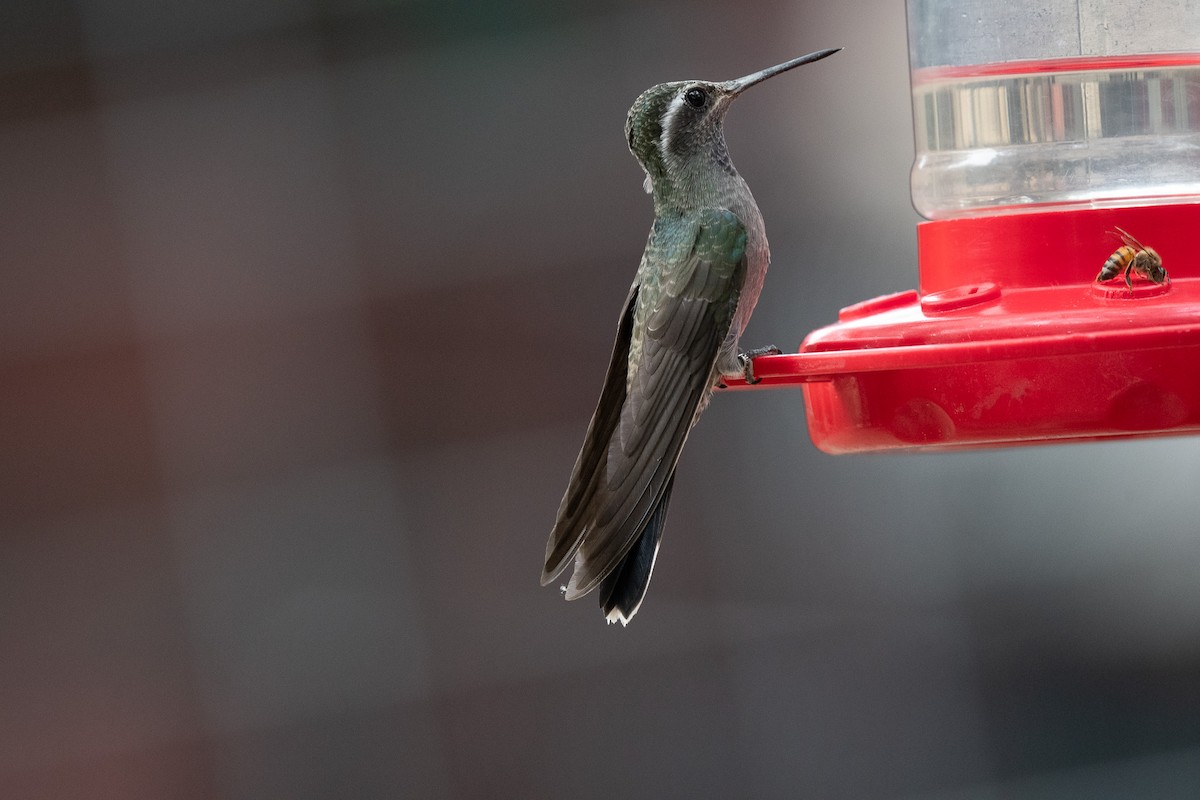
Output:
x,y
738,86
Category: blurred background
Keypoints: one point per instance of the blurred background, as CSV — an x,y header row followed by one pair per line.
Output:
x,y
304,308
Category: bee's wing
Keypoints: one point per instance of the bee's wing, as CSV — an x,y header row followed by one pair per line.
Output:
x,y
1127,238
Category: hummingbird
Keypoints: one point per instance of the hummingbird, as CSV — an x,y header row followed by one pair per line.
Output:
x,y
677,337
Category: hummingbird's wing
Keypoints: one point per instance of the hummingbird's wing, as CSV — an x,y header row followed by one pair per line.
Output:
x,y
589,465
674,322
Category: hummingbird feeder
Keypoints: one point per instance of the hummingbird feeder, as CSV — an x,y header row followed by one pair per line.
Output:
x,y
1057,162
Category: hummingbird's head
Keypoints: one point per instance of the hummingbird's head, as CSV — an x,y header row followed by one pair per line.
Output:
x,y
674,126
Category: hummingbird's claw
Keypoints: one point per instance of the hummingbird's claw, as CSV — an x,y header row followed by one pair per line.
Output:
x,y
746,359
748,369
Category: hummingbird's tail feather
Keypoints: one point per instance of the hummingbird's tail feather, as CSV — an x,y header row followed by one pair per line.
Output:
x,y
622,592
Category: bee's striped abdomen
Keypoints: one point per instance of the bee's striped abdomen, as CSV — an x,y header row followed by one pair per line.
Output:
x,y
1117,262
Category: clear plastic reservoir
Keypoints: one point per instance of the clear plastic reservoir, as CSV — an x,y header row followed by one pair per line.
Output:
x,y
1054,103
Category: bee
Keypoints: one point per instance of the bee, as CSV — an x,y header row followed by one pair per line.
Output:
x,y
1130,258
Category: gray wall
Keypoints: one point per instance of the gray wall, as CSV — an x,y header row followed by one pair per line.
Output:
x,y
304,310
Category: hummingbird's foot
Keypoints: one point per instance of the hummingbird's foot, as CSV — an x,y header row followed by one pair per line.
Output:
x,y
746,360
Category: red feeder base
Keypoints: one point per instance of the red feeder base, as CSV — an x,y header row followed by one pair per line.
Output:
x,y
1011,340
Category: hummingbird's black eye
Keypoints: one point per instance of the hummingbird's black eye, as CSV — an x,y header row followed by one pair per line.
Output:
x,y
695,97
